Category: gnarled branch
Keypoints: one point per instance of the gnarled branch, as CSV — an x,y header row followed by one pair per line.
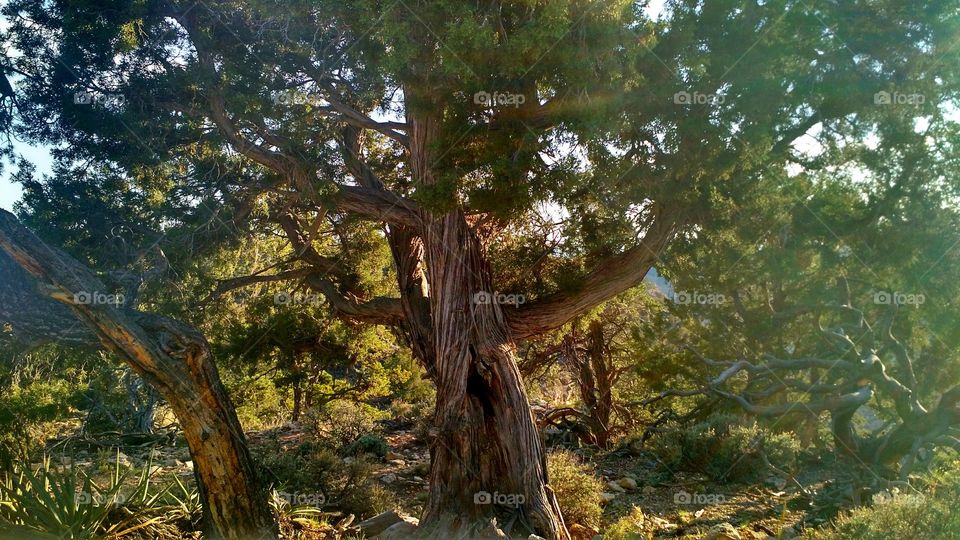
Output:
x,y
610,278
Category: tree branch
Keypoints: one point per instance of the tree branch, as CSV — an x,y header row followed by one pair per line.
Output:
x,y
610,278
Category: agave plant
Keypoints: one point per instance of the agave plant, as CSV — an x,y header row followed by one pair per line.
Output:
x,y
183,500
62,504
304,514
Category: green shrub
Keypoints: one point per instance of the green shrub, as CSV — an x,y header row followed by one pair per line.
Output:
x,y
69,504
342,422
577,489
629,527
258,402
725,449
315,468
308,466
367,444
899,516
367,500
28,412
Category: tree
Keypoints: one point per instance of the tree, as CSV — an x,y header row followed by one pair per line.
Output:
x,y
172,356
601,352
844,304
586,130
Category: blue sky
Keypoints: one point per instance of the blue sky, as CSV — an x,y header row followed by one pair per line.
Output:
x,y
38,155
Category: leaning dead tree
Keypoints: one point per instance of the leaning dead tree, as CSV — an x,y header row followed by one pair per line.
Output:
x,y
588,355
862,362
41,298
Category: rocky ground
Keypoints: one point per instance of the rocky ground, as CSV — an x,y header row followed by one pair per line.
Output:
x,y
681,506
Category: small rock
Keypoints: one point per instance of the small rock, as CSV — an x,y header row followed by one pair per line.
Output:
x,y
627,483
188,465
418,479
648,490
390,456
348,460
607,497
661,524
722,531
615,487
397,462
120,458
789,533
535,537
404,529
388,478
581,532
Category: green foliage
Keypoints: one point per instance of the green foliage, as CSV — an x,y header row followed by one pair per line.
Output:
x,y
931,514
31,401
315,468
367,499
308,466
65,504
343,422
726,449
68,502
629,527
577,489
367,444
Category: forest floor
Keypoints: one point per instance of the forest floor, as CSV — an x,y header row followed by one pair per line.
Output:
x,y
678,505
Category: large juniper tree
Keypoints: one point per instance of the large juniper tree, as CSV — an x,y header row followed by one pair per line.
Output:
x,y
530,150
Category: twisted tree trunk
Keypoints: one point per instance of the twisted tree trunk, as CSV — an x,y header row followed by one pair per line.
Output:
x,y
171,356
487,457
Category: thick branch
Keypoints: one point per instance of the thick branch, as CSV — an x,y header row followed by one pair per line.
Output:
x,y
844,402
610,278
380,310
33,317
385,311
227,285
379,205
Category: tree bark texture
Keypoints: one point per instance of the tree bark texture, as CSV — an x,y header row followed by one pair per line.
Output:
x,y
171,356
